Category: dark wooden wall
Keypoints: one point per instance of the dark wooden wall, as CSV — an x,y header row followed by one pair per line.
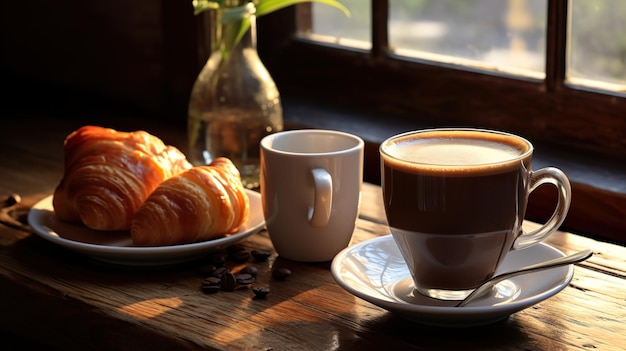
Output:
x,y
140,54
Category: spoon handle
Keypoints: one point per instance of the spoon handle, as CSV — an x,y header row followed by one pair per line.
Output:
x,y
557,262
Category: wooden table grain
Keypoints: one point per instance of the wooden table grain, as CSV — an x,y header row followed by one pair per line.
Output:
x,y
61,300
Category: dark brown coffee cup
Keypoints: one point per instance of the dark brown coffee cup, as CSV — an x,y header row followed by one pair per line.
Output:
x,y
455,200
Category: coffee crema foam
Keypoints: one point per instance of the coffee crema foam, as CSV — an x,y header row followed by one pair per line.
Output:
x,y
455,151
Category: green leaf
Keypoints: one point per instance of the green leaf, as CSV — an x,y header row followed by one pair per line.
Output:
x,y
243,13
234,14
200,6
263,7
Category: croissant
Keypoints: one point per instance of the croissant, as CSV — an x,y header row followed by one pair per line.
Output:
x,y
108,174
198,204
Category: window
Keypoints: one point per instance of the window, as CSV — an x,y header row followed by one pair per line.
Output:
x,y
506,36
331,25
377,68
597,46
489,34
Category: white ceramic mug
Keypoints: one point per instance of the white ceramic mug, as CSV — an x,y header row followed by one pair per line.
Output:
x,y
310,188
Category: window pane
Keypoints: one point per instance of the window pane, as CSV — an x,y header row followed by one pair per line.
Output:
x,y
504,35
330,24
597,51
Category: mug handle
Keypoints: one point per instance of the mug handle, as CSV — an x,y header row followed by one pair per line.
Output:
x,y
319,213
556,177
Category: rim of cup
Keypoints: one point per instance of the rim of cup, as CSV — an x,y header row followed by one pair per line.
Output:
x,y
348,142
392,140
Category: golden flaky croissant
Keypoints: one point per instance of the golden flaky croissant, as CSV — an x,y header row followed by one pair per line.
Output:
x,y
109,174
198,204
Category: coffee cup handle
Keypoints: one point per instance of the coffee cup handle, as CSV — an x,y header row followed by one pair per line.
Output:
x,y
556,177
319,213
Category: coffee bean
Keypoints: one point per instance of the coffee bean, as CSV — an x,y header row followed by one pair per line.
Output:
x,y
260,292
281,273
244,279
261,255
211,285
228,282
219,272
252,270
211,281
11,200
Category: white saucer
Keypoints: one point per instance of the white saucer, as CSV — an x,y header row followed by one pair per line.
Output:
x,y
375,271
116,247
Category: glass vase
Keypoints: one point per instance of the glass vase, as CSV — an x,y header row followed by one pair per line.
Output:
x,y
234,102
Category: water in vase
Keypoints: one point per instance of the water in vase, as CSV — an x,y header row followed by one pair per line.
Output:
x,y
234,133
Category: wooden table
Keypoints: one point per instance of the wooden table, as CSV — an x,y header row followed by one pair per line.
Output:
x,y
60,300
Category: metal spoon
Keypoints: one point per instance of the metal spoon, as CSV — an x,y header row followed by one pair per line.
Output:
x,y
557,262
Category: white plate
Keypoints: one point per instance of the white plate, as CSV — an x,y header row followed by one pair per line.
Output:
x,y
375,271
116,247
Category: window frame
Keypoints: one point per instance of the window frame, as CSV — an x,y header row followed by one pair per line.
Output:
x,y
548,111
